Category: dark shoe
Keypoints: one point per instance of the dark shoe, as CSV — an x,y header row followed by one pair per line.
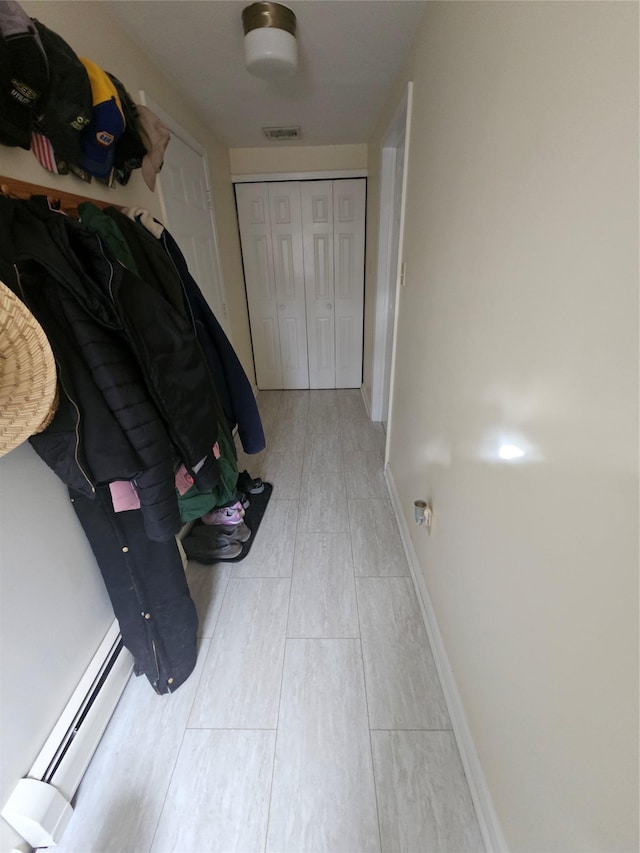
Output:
x,y
250,485
239,532
202,551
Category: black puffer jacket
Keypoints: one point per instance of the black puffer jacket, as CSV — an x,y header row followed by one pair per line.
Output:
x,y
161,337
136,395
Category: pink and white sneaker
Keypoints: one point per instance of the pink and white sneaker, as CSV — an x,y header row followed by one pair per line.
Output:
x,y
227,515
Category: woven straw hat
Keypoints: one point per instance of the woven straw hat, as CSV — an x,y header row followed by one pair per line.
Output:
x,y
27,373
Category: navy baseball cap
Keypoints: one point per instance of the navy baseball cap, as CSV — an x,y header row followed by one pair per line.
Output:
x,y
98,139
130,150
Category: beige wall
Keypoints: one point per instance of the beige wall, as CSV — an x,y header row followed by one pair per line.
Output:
x,y
519,324
312,158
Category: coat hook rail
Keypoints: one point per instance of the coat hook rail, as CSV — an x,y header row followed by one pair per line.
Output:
x,y
69,202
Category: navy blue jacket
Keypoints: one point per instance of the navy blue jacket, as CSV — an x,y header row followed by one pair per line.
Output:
x,y
136,392
233,387
235,391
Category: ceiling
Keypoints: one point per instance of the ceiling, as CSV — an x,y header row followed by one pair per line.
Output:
x,y
349,52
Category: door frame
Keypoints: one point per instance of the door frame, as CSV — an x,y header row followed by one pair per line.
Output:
x,y
179,131
387,289
331,175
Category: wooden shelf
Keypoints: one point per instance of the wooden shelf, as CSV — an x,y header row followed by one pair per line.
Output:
x,y
68,202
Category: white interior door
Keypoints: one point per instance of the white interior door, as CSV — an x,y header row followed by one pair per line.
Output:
x,y
184,188
348,230
317,229
257,255
288,269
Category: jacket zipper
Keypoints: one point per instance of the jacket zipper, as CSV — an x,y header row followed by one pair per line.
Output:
x,y
111,271
155,657
75,405
77,447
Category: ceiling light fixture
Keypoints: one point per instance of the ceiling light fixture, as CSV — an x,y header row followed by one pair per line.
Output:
x,y
270,46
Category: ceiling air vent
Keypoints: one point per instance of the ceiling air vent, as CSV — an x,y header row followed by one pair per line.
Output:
x,y
282,134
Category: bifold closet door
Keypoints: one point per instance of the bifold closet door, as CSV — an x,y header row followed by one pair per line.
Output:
x,y
270,231
349,207
286,235
317,231
303,253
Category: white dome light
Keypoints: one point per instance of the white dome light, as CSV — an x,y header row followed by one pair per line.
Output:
x,y
270,46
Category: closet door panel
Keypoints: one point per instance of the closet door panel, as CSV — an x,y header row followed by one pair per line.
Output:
x,y
262,297
286,233
285,268
317,227
293,355
270,346
349,229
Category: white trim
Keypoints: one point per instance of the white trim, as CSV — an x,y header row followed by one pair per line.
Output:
x,y
366,401
299,176
407,153
490,829
193,143
383,287
387,280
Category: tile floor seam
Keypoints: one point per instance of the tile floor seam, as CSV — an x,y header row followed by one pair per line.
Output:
x,y
364,680
284,658
293,568
230,729
355,588
204,663
373,764
171,775
273,771
381,576
400,729
323,638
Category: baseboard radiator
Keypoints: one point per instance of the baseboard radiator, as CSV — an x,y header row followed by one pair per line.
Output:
x,y
39,808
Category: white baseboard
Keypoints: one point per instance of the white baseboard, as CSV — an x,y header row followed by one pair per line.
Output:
x,y
366,400
487,818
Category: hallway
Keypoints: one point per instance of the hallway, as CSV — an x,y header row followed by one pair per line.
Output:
x,y
314,720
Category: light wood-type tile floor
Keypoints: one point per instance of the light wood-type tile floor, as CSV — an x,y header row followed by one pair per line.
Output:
x,y
314,720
